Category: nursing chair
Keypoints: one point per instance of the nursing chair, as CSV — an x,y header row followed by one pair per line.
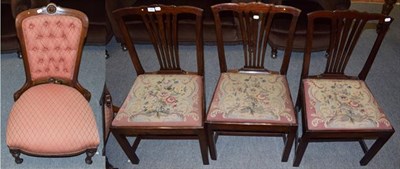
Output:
x,y
337,106
51,116
167,103
253,100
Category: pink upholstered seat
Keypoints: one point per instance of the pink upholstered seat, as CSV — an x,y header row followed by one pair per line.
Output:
x,y
52,119
244,97
342,104
163,100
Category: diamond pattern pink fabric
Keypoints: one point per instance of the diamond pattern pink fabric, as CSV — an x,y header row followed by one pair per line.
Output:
x,y
244,97
52,43
333,104
163,100
52,119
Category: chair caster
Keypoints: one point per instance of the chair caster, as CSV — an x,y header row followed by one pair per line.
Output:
x,y
16,154
89,154
107,55
274,53
19,161
19,54
88,160
124,48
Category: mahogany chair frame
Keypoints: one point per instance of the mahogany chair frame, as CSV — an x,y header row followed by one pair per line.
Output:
x,y
166,47
339,52
254,56
51,9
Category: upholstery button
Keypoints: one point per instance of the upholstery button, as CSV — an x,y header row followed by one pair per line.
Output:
x,y
31,26
64,36
59,24
39,36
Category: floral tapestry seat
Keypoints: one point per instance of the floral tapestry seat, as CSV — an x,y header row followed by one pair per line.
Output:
x,y
241,97
342,104
163,100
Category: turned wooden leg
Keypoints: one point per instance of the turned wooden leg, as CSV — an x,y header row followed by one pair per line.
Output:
x,y
274,53
16,154
89,154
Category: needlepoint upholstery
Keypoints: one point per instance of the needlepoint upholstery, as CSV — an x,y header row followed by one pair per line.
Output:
x,y
342,104
38,121
241,97
55,59
162,100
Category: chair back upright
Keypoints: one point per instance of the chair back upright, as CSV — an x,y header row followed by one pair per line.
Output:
x,y
161,22
254,21
346,29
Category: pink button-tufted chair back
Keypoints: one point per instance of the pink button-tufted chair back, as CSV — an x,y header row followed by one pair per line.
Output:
x,y
51,40
52,44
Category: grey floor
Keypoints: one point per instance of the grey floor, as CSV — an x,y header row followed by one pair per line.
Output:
x,y
91,76
264,152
